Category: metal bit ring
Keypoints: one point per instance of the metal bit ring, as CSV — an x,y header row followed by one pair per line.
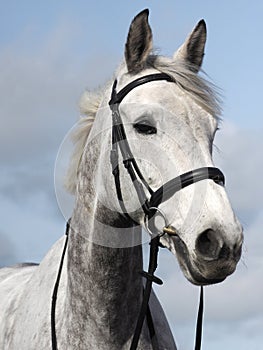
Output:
x,y
160,234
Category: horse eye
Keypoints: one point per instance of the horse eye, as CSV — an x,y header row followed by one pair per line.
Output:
x,y
144,127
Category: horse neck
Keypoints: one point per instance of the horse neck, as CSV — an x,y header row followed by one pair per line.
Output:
x,y
104,285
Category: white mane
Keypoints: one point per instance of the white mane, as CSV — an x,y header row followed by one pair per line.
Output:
x,y
201,90
88,105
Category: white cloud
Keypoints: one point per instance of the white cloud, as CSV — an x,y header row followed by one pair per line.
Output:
x,y
30,227
39,91
36,103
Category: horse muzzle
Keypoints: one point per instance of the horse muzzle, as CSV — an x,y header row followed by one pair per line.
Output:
x,y
212,259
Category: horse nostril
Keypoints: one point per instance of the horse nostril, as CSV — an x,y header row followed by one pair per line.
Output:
x,y
209,245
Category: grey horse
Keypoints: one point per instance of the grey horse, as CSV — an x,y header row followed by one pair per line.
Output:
x,y
170,127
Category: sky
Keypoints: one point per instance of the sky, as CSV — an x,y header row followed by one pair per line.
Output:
x,y
50,52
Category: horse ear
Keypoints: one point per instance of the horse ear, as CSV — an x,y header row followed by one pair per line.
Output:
x,y
139,42
192,51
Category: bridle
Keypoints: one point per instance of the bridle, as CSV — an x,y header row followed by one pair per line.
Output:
x,y
149,205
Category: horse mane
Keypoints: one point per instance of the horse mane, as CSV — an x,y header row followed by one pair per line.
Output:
x,y
88,105
199,88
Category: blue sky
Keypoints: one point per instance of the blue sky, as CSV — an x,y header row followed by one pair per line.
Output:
x,y
50,51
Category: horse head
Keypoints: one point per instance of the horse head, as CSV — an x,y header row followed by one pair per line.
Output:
x,y
170,125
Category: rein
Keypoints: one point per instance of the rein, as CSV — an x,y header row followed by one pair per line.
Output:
x,y
149,205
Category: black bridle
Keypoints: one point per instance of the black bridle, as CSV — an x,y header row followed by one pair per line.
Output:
x,y
149,205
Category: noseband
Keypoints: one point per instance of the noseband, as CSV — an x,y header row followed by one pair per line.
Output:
x,y
150,203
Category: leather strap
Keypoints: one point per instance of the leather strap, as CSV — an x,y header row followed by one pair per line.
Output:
x,y
199,323
154,339
150,278
176,184
55,292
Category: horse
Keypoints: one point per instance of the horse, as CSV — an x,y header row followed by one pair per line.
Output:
x,y
131,172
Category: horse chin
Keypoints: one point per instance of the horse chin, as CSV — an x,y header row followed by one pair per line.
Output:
x,y
195,277
195,272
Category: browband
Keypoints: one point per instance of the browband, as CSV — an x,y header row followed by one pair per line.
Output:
x,y
116,98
